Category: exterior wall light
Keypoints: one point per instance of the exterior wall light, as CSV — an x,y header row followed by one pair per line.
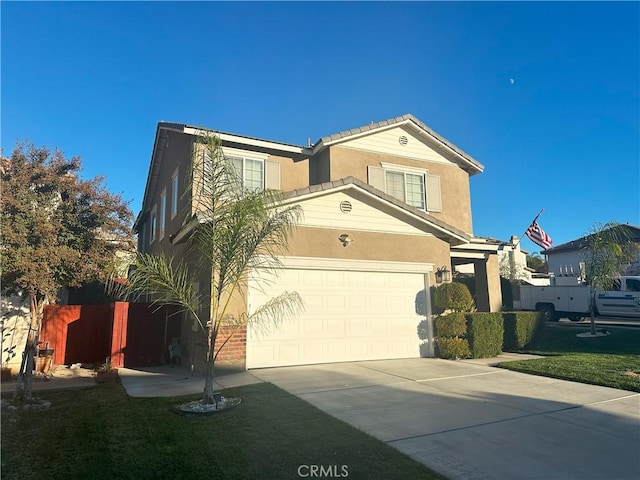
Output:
x,y
345,239
443,275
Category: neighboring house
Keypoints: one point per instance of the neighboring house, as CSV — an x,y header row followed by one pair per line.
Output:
x,y
15,319
512,263
396,191
568,259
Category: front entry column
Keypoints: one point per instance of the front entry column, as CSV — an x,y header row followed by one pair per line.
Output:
x,y
488,290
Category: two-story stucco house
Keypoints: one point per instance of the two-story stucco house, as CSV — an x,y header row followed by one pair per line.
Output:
x,y
568,258
386,207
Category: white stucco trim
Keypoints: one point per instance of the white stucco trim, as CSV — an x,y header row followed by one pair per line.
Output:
x,y
470,255
403,168
319,263
255,142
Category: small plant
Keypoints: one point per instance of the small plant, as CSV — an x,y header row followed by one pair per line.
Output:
x,y
454,296
105,367
105,373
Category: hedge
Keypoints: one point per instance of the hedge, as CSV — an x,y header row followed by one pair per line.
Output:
x,y
520,329
453,296
452,325
453,347
485,332
449,331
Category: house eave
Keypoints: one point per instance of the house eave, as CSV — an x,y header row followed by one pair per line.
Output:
x,y
468,163
453,235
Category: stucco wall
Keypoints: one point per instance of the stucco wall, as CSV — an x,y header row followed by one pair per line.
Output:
x,y
454,182
324,243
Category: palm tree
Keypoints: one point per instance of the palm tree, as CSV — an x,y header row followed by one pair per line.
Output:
x,y
608,250
235,234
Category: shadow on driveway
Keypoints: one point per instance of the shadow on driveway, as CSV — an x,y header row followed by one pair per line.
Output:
x,y
470,421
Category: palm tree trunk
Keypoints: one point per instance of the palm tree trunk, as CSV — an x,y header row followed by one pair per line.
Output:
x,y
207,398
592,309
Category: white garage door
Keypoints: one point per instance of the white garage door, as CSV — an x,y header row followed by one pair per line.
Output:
x,y
348,315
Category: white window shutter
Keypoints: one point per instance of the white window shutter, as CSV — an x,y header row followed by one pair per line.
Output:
x,y
376,177
434,197
272,173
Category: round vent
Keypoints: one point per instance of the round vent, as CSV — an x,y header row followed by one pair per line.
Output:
x,y
403,140
345,206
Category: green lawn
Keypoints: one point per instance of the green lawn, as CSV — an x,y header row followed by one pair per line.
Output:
x,y
101,433
612,361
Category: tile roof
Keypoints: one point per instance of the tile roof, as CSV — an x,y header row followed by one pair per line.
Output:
x,y
581,242
393,121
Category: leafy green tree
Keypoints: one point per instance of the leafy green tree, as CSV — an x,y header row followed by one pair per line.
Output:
x,y
57,231
608,250
235,232
538,263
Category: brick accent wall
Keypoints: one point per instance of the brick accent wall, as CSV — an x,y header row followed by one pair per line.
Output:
x,y
236,347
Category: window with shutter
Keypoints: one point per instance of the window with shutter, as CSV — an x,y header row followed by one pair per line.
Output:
x,y
272,175
410,185
434,197
250,171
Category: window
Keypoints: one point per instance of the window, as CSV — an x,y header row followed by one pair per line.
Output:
x,y
153,225
174,194
633,285
250,171
414,186
142,238
406,186
163,212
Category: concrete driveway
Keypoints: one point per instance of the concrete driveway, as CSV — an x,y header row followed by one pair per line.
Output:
x,y
471,421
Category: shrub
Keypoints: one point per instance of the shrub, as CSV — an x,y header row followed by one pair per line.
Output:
x,y
452,325
453,348
485,332
520,329
453,296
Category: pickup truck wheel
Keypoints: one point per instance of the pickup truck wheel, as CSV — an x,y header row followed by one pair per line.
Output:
x,y
575,318
548,313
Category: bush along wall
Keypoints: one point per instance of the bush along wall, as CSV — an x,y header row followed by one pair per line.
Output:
x,y
521,329
450,332
485,333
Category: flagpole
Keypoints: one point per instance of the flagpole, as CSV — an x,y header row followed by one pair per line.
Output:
x,y
532,222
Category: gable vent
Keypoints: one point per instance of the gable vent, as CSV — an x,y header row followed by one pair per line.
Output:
x,y
403,140
345,206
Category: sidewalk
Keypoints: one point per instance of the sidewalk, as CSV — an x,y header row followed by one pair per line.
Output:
x,y
176,381
62,378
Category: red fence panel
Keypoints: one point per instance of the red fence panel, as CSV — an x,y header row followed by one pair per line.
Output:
x,y
78,333
149,333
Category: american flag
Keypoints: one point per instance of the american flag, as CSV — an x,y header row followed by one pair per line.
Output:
x,y
538,236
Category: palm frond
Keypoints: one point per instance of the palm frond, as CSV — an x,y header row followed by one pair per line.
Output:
x,y
269,316
608,250
167,282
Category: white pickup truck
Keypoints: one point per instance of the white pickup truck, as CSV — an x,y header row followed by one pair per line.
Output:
x,y
572,300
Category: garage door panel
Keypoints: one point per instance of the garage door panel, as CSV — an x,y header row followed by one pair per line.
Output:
x,y
336,303
348,315
355,280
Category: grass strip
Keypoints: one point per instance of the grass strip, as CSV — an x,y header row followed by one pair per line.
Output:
x,y
611,361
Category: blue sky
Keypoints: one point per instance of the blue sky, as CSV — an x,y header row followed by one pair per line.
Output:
x,y
95,78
